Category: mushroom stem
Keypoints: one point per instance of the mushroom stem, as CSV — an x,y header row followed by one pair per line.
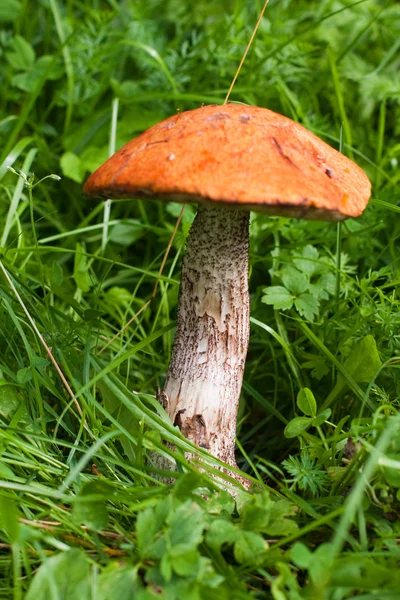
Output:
x,y
205,374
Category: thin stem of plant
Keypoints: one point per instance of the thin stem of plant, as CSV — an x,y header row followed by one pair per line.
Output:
x,y
246,50
111,150
42,341
339,241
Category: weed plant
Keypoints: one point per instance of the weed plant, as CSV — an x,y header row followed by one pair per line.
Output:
x,y
82,512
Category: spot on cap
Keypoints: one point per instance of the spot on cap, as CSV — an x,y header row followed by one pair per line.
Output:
x,y
236,155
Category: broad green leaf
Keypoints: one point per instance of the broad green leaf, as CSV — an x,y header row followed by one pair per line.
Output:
x,y
9,10
321,417
281,523
336,473
186,524
93,156
297,426
146,529
256,513
166,567
301,555
320,568
184,560
307,306
22,56
23,81
149,527
262,514
285,586
118,582
24,375
364,361
220,503
9,517
126,234
90,508
119,296
56,274
81,270
175,209
188,483
47,65
391,474
306,402
72,167
295,281
39,363
318,364
10,399
205,587
305,261
324,287
278,296
6,473
221,532
44,68
210,579
249,547
65,576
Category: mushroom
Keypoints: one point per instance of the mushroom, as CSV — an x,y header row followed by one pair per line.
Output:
x,y
229,159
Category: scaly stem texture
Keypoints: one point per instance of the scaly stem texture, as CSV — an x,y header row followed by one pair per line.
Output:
x,y
205,375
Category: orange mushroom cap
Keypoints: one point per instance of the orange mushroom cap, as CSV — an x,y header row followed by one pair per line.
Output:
x,y
237,155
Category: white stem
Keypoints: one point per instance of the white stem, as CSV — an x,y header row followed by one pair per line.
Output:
x,y
205,375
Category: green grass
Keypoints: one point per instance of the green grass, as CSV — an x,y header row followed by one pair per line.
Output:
x,y
82,512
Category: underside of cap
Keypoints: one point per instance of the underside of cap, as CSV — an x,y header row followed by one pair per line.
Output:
x,y
238,155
